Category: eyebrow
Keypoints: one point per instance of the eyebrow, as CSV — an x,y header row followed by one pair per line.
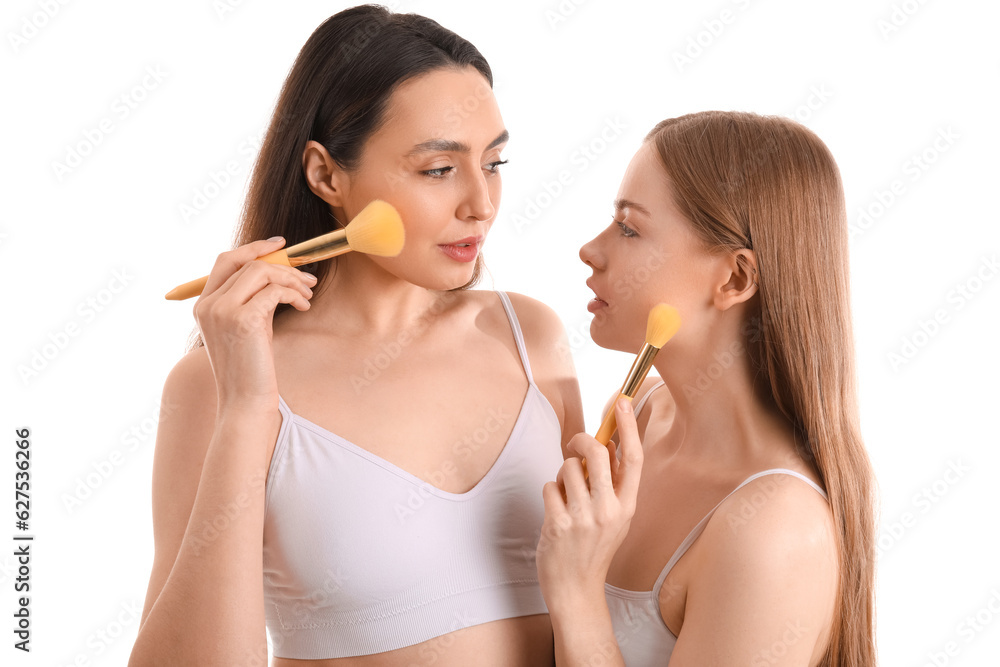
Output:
x,y
451,146
626,203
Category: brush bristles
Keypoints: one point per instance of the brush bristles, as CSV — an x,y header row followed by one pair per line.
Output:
x,y
664,320
376,230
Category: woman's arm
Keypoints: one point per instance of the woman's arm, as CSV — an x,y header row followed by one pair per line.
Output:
x,y
763,589
205,600
204,604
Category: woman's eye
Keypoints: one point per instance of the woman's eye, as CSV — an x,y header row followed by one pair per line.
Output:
x,y
627,231
437,173
494,167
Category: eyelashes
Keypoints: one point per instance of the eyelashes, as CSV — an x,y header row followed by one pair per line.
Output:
x,y
626,231
492,168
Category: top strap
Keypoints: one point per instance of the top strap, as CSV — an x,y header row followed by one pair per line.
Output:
x,y
518,336
645,397
697,530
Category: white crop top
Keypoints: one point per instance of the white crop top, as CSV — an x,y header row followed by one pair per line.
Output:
x,y
642,635
362,557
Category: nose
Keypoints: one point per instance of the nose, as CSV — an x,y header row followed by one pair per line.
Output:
x,y
477,200
591,255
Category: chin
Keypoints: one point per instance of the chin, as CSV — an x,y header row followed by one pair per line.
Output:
x,y
605,336
443,281
620,327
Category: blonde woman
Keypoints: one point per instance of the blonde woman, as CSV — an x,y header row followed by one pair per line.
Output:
x,y
736,526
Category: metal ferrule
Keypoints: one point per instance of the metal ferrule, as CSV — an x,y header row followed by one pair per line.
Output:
x,y
322,247
640,368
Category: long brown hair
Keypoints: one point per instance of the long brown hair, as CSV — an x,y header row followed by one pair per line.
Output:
x,y
337,93
769,184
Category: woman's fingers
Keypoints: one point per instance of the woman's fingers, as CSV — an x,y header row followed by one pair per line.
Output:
x,y
630,466
570,480
231,261
254,276
598,458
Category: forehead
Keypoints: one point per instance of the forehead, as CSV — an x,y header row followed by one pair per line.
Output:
x,y
645,181
449,103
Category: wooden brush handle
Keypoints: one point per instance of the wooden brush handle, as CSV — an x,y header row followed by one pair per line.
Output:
x,y
608,427
196,287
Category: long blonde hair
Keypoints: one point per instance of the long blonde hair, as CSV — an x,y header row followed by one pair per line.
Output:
x,y
769,184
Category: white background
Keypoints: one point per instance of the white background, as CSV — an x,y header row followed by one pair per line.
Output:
x,y
879,99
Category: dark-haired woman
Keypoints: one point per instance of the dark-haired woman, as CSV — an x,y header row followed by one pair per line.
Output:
x,y
357,458
737,526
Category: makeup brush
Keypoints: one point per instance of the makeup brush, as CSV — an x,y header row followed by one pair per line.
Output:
x,y
376,230
662,324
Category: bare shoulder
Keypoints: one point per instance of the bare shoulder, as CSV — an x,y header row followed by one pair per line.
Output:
x,y
774,515
551,361
539,322
189,391
765,575
773,539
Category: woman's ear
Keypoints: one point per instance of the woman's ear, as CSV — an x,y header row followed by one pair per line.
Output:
x,y
325,177
741,281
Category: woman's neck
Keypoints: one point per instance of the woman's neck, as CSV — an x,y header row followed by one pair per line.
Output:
x,y
720,416
359,298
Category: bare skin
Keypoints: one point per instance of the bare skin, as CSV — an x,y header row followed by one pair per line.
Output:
x,y
751,581
205,602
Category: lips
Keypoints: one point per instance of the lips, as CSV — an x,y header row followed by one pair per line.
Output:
x,y
597,303
462,250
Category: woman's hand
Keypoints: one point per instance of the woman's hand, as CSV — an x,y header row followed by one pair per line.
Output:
x,y
586,523
235,313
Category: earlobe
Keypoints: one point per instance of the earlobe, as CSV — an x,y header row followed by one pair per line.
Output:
x,y
324,176
742,281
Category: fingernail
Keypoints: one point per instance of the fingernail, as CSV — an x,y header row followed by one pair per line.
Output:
x,y
310,277
625,404
275,238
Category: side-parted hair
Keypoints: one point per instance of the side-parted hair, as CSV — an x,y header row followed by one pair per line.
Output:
x,y
771,185
337,93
